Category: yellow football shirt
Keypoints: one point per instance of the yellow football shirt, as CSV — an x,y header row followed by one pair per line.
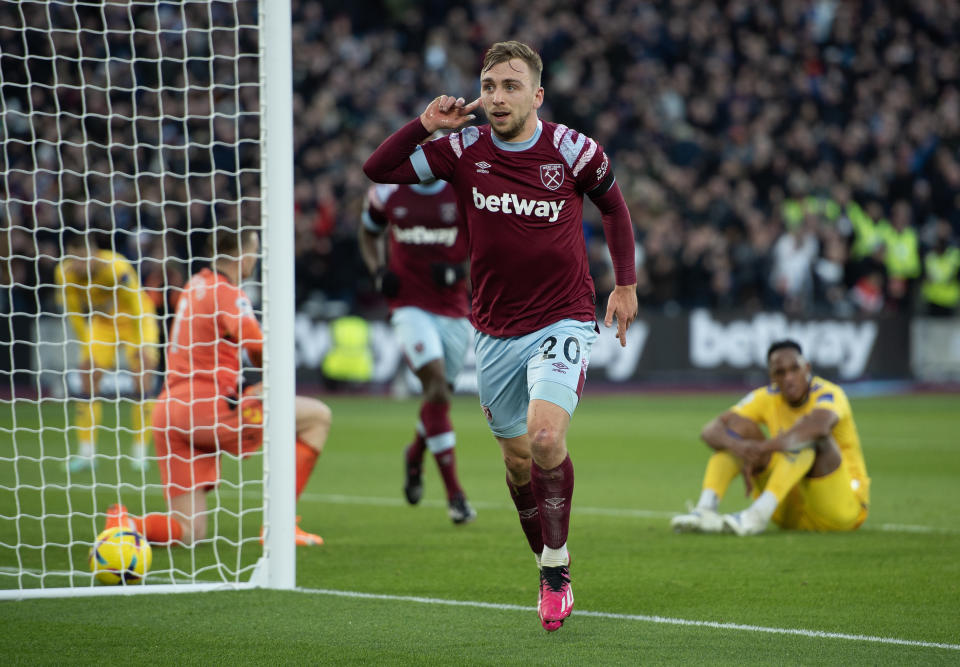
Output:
x,y
766,406
109,294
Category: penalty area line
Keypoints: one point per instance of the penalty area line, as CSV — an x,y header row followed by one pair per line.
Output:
x,y
661,620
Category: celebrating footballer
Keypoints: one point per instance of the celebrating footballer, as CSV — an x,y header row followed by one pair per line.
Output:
x,y
520,182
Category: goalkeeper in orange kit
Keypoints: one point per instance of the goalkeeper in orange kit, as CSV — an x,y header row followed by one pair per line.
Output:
x,y
201,413
110,313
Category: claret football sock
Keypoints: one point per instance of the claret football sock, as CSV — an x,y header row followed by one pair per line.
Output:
x,y
447,465
553,490
440,439
306,460
415,450
413,468
435,418
526,504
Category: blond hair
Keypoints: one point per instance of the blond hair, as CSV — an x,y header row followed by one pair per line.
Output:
x,y
503,52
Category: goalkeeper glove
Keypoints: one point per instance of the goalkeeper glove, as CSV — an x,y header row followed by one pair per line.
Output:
x,y
447,275
387,282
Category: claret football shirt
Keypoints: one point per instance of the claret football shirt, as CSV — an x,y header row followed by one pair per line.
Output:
x,y
424,227
523,203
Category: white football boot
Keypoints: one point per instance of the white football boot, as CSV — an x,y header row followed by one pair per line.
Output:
x,y
698,520
745,523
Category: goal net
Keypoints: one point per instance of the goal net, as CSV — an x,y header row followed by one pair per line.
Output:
x,y
130,132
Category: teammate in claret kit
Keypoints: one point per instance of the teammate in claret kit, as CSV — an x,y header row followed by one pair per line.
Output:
x,y
424,280
520,182
201,411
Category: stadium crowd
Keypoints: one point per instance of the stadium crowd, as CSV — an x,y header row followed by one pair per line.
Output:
x,y
800,155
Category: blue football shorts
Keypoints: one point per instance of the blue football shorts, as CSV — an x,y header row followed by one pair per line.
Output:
x,y
549,365
425,336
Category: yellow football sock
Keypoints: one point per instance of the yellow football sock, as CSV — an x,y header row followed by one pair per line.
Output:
x,y
142,415
86,418
722,468
786,469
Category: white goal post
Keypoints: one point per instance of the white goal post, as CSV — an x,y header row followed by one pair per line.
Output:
x,y
139,127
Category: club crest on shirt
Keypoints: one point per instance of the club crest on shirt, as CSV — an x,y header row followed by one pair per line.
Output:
x,y
551,175
448,212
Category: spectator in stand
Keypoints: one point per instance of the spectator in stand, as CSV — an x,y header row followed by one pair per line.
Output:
x,y
793,256
902,256
941,274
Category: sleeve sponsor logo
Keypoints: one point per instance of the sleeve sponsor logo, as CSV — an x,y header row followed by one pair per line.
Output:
x,y
602,169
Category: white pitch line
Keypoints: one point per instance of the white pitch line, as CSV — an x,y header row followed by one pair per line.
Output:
x,y
337,499
396,502
374,501
662,620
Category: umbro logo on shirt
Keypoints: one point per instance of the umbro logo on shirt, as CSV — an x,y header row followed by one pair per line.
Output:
x,y
482,167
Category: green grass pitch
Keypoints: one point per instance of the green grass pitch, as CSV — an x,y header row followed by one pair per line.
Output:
x,y
383,587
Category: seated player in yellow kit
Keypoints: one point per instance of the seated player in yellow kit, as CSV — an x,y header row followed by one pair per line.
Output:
x,y
110,313
808,475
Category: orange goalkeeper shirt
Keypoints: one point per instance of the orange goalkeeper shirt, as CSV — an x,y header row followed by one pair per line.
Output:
x,y
214,322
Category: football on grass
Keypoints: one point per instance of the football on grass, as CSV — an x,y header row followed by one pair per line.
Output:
x,y
120,555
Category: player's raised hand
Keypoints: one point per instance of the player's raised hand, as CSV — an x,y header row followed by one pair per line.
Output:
x,y
448,113
622,305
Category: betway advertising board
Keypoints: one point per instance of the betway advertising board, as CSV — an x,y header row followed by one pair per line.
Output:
x,y
696,348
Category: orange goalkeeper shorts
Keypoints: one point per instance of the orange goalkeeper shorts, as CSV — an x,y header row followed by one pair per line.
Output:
x,y
192,426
